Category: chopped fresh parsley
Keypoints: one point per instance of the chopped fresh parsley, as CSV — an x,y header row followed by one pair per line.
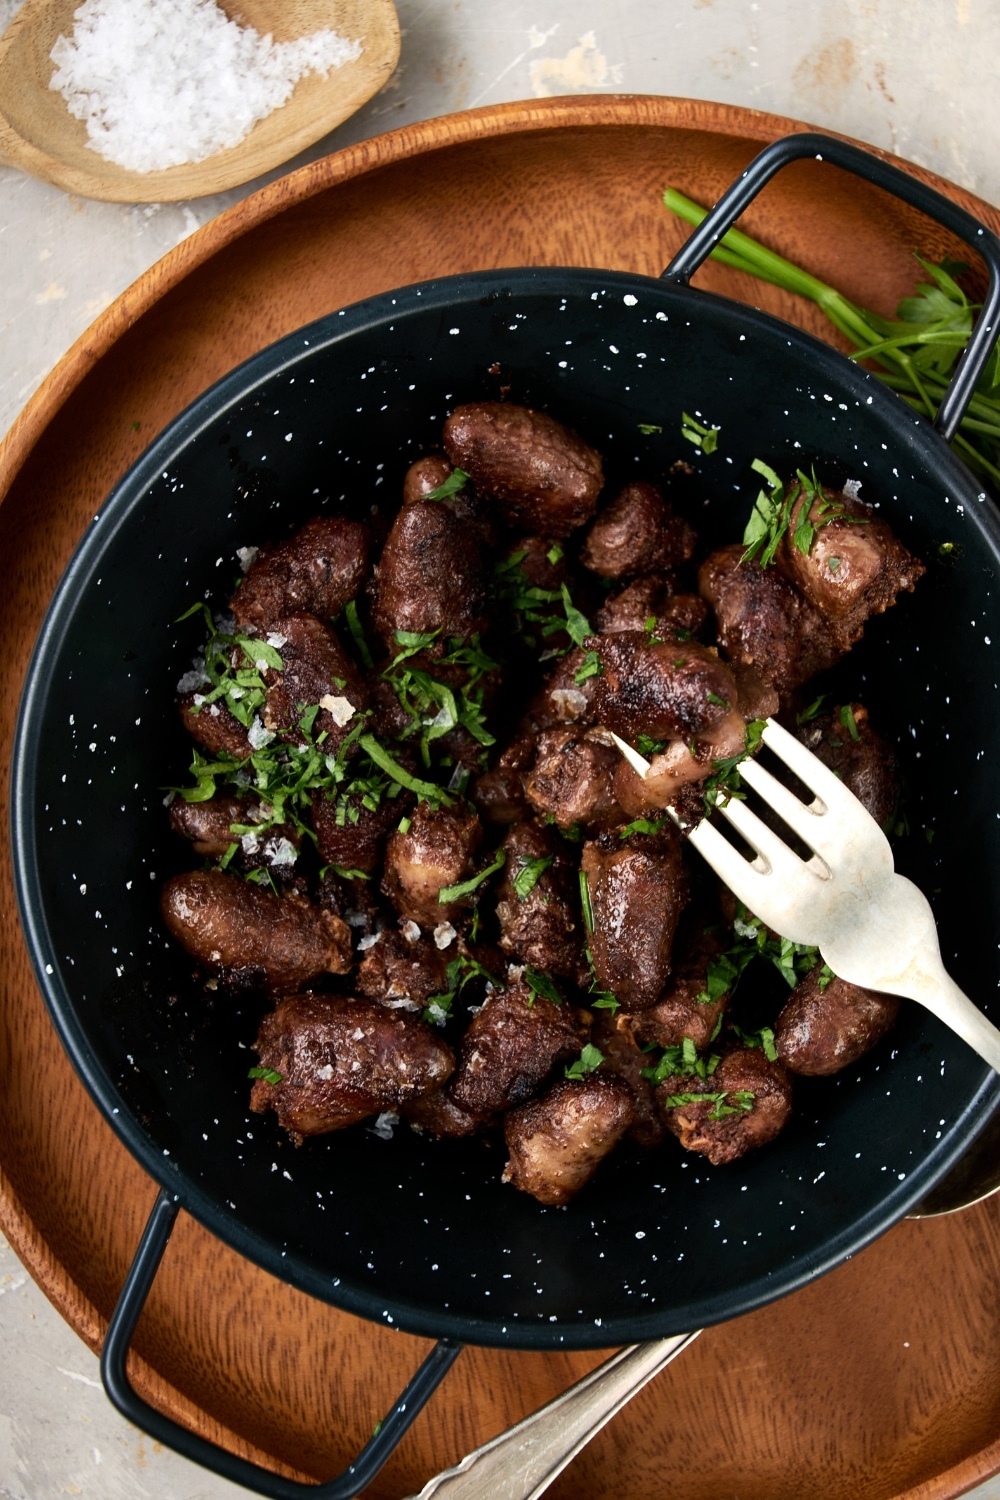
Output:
x,y
642,825
457,976
810,713
357,632
763,1038
647,746
589,667
848,721
269,1075
585,902
456,481
463,888
742,1101
577,625
648,428
428,790
772,514
542,984
433,706
589,1061
725,780
705,438
682,1060
527,876
769,518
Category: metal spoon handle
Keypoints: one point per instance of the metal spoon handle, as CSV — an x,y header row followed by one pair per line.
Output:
x,y
522,1462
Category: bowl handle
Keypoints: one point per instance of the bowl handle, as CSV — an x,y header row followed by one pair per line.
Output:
x,y
883,174
114,1355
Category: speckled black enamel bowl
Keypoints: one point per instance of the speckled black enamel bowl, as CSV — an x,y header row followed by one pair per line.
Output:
x,y
408,1230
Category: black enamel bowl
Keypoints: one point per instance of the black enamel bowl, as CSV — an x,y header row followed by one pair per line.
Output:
x,y
410,1231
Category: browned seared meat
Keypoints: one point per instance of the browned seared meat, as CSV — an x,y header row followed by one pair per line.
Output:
x,y
638,889
743,1105
342,1059
637,533
854,568
822,1029
674,615
623,1056
665,689
213,727
208,825
499,793
572,779
510,1048
315,670
557,1142
398,966
353,898
543,564
538,902
317,571
438,849
684,1009
567,696
426,474
845,741
356,839
439,1115
248,935
756,697
430,575
545,478
764,621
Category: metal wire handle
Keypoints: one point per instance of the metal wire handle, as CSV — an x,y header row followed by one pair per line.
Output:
x,y
900,184
121,1393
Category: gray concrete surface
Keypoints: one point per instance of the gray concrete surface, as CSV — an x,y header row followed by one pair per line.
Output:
x,y
914,76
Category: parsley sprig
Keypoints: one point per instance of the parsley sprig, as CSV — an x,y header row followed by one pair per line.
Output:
x,y
913,353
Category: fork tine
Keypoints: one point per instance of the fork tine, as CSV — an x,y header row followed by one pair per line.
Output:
x,y
781,893
809,820
748,884
782,862
811,771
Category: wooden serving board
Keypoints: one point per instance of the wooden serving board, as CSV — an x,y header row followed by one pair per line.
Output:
x,y
881,1380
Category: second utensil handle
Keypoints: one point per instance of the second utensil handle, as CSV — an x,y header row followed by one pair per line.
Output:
x,y
522,1462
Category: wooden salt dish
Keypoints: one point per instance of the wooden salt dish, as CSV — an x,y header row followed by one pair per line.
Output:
x,y
39,135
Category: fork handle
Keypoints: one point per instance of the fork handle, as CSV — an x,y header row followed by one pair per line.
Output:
x,y
901,956
941,995
522,1462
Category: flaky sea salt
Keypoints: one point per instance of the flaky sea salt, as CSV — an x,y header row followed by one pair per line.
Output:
x,y
174,81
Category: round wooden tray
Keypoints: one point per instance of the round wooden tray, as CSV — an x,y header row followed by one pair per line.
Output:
x,y
881,1380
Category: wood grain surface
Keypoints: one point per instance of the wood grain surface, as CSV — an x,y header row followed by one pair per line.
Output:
x,y
39,135
881,1380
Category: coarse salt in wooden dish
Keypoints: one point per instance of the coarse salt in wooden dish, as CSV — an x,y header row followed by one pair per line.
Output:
x,y
39,134
862,1384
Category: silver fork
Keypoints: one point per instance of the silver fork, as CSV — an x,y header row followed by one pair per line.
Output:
x,y
873,927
